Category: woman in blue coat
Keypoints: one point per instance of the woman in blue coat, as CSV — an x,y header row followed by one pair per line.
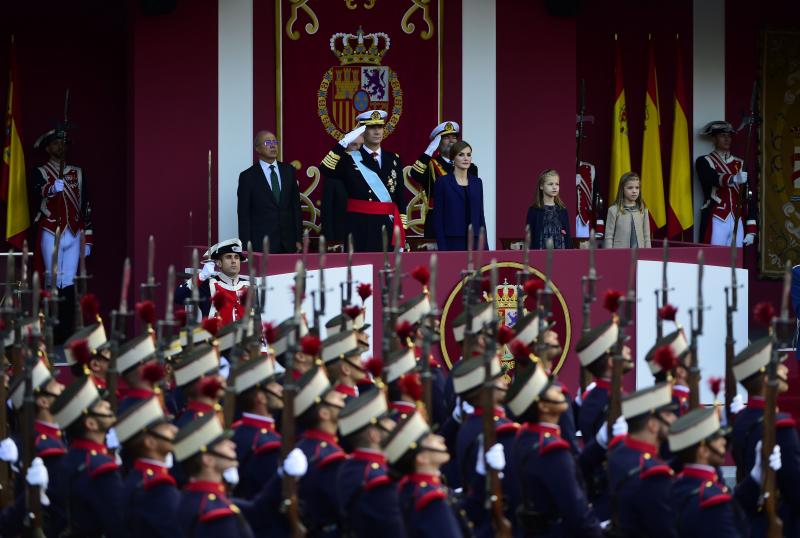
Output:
x,y
459,202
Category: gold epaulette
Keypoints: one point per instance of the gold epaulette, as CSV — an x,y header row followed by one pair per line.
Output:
x,y
331,160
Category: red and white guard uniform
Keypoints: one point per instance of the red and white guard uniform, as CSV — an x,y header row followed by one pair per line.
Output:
x,y
235,292
67,209
717,172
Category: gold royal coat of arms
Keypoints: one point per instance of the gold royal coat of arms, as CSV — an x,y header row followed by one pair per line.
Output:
x,y
359,83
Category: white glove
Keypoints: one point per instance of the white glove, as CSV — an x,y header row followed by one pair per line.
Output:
x,y
111,439
579,397
224,367
296,463
457,413
775,462
58,186
620,427
496,457
231,475
467,408
740,178
748,239
8,450
737,404
433,145
37,475
209,268
352,135
87,250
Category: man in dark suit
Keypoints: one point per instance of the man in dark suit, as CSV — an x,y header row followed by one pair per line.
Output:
x,y
373,178
269,200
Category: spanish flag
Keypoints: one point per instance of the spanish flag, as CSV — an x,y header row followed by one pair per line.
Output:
x,y
680,216
13,187
620,149
652,174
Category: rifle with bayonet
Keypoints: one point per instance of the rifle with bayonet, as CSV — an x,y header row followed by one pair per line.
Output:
x,y
289,483
33,505
192,304
468,287
782,330
544,303
51,302
697,331
749,121
118,332
165,330
494,487
664,292
148,287
731,306
428,337
589,289
320,311
346,287
523,274
618,358
9,318
81,281
16,350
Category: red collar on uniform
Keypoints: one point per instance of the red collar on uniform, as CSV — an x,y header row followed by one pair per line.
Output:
x,y
703,472
543,427
419,478
346,390
141,394
602,384
200,407
319,435
370,456
45,428
204,486
155,467
402,407
498,412
255,421
756,402
99,382
679,390
86,444
640,446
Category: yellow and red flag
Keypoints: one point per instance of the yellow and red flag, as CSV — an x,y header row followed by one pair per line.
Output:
x,y
13,186
680,215
652,174
620,148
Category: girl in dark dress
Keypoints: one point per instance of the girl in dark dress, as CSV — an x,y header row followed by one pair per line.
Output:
x,y
548,217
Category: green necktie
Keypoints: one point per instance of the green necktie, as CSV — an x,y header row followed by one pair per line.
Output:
x,y
276,186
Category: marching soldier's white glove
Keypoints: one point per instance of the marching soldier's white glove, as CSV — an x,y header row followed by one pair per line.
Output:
x,y
775,462
620,427
737,404
37,475
461,408
433,145
58,186
231,475
740,178
8,450
352,135
209,269
295,464
495,457
111,439
748,239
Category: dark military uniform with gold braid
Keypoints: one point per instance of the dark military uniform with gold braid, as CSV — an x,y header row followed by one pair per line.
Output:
x,y
338,165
